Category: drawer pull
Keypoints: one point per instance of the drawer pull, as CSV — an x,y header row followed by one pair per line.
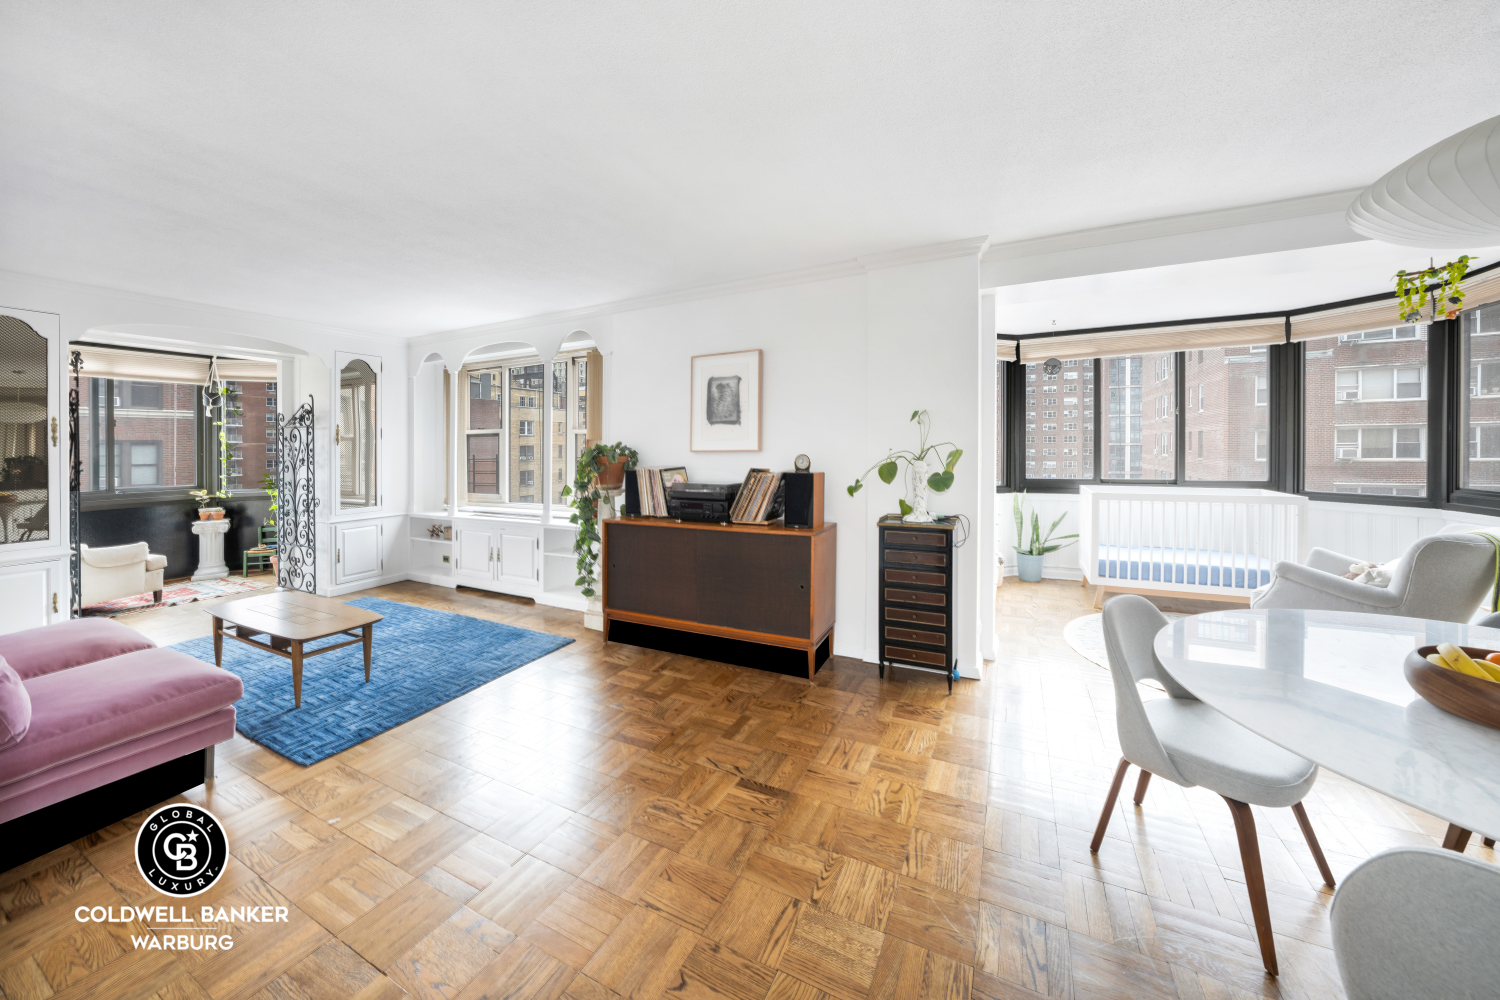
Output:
x,y
930,539
912,576
916,656
912,635
921,617
919,558
916,597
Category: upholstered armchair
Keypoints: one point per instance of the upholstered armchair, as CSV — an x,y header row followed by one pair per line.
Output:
x,y
120,571
1441,577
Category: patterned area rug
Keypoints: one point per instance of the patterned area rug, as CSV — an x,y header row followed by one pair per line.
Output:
x,y
422,659
182,593
1086,636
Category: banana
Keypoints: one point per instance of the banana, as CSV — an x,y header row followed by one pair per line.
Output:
x,y
1489,668
1438,661
1456,659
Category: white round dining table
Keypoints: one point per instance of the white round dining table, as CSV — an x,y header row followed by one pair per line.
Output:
x,y
1329,686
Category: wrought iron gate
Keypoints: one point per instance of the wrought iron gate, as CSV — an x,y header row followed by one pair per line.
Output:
x,y
296,502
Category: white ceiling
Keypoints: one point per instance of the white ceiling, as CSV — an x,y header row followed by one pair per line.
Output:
x,y
403,167
1291,279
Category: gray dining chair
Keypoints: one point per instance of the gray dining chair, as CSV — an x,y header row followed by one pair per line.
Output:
x,y
1187,742
1418,922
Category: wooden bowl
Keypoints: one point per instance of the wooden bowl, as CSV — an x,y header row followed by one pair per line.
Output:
x,y
1464,696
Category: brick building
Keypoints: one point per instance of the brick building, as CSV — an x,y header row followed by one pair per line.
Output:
x,y
250,427
155,434
1366,423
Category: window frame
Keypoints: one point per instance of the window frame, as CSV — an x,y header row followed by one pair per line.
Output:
x,y
205,459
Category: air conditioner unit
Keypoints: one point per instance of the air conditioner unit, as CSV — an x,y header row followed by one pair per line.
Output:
x,y
1349,394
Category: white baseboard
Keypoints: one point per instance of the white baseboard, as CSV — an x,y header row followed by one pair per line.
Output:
x,y
379,581
572,602
436,579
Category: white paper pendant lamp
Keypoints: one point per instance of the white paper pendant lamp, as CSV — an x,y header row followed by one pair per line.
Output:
x,y
1447,196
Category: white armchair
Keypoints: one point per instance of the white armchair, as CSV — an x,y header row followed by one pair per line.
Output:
x,y
1441,577
120,571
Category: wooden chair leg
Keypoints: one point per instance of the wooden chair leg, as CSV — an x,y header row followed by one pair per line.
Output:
x,y
1109,805
1489,841
1140,786
1312,844
1456,839
1255,880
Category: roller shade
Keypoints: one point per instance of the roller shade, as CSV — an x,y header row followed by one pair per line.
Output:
x,y
1114,343
146,366
1005,350
1481,289
1350,319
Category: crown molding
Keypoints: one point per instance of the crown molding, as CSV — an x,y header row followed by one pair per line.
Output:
x,y
1178,225
781,279
973,245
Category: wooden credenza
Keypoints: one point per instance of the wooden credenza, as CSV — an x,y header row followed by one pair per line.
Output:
x,y
770,585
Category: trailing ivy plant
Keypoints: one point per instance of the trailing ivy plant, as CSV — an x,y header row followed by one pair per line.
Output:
x,y
1413,287
887,467
217,400
587,496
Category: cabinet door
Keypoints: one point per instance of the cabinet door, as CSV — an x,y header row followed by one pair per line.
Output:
x,y
358,556
27,596
518,559
473,550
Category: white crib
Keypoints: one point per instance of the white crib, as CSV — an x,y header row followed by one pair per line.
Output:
x,y
1214,544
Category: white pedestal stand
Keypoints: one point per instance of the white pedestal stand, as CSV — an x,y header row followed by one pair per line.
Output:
x,y
593,615
210,550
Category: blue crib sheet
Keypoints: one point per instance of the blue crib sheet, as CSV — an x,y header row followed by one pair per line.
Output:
x,y
1202,567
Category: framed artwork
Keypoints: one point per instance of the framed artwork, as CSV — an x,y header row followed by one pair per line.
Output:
x,y
726,402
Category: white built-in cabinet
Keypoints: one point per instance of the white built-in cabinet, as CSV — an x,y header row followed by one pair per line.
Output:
x,y
32,595
359,552
504,555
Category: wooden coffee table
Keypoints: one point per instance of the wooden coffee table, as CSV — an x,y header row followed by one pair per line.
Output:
x,y
290,618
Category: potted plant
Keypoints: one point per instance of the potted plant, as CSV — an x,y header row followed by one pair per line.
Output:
x,y
1029,553
920,479
205,512
600,468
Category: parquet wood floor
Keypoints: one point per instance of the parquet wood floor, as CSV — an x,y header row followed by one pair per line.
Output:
x,y
612,822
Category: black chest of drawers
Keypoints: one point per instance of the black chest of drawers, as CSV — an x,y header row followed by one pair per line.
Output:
x,y
916,596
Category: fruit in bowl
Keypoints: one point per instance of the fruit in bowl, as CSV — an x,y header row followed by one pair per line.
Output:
x,y
1453,658
1462,680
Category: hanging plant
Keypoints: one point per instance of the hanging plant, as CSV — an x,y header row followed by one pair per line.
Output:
x,y
1414,287
216,400
587,496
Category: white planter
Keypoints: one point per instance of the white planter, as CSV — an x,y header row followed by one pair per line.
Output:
x,y
593,615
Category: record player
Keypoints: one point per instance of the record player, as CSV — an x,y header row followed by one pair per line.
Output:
x,y
701,501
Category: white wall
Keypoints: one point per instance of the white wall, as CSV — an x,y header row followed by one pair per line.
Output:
x,y
847,356
105,315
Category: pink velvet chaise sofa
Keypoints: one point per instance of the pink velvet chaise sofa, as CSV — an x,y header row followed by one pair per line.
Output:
x,y
96,718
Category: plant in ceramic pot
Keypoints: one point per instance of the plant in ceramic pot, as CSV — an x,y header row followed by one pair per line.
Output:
x,y
1029,554
601,469
205,512
920,479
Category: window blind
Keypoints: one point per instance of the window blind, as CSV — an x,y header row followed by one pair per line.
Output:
x,y
1350,319
1113,343
146,366
1005,349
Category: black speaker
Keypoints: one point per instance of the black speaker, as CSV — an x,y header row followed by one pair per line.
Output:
x,y
804,499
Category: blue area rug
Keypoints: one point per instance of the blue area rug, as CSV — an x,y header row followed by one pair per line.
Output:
x,y
422,659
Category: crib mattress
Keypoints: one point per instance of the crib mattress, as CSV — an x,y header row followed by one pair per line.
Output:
x,y
1198,567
